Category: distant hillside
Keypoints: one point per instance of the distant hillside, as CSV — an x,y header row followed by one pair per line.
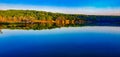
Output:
x,y
22,15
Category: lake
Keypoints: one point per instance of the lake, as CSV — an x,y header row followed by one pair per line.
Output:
x,y
80,41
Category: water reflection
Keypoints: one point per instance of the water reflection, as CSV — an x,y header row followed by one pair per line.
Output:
x,y
40,26
51,25
1,31
72,40
60,42
37,26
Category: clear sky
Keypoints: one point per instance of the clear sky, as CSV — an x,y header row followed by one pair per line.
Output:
x,y
107,7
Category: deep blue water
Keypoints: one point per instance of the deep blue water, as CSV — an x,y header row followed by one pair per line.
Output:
x,y
61,42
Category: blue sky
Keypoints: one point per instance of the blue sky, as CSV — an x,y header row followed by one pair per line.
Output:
x,y
66,3
60,5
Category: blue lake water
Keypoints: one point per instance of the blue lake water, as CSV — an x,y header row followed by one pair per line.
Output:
x,y
88,41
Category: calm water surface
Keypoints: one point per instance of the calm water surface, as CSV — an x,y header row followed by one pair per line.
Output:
x,y
89,41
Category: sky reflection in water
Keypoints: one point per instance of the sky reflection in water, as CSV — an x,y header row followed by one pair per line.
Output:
x,y
66,42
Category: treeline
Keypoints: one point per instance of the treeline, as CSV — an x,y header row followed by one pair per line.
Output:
x,y
26,16
32,16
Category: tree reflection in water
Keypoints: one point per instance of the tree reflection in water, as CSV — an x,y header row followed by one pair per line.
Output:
x,y
50,25
36,26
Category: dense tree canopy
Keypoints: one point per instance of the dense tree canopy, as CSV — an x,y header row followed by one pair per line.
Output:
x,y
12,16
20,15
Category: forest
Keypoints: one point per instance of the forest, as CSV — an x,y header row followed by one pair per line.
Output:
x,y
38,20
33,16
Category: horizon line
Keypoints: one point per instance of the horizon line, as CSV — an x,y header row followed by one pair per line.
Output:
x,y
65,10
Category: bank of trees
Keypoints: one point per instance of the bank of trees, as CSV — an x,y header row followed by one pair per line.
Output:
x,y
28,16
31,15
